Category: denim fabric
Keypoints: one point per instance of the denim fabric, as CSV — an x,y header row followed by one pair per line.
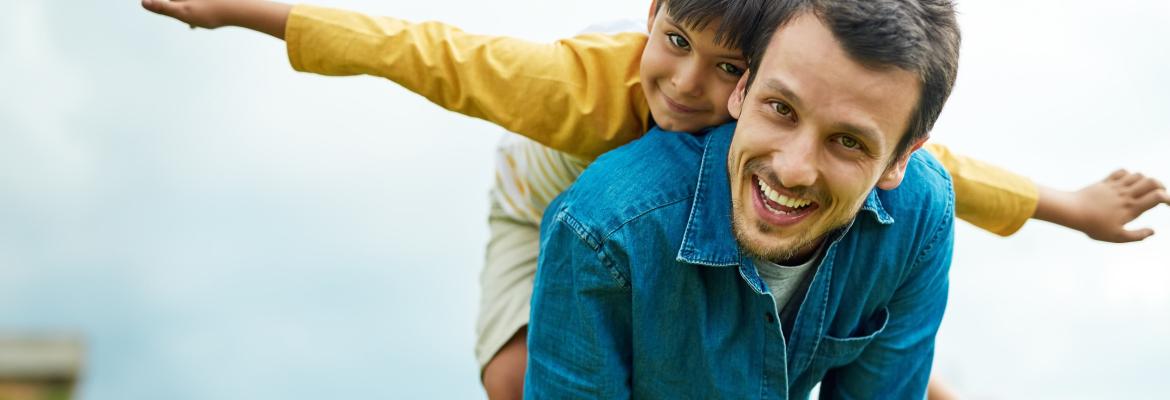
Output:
x,y
642,290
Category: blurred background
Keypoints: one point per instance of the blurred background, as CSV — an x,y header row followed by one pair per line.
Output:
x,y
182,216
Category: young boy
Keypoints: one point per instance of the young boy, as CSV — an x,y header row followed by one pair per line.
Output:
x,y
594,93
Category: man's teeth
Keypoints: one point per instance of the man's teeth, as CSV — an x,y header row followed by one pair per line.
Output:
x,y
779,198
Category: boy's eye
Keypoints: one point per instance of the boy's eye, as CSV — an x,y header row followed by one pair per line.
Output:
x,y
678,41
731,69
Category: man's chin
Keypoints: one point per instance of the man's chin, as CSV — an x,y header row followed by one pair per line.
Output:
x,y
771,243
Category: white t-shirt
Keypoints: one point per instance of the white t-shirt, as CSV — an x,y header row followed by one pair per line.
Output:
x,y
786,281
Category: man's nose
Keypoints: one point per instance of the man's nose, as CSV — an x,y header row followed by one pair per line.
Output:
x,y
688,79
796,161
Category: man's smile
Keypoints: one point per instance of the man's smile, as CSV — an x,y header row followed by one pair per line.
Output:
x,y
778,206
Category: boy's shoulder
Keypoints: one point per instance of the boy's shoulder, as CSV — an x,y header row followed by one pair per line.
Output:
x,y
655,171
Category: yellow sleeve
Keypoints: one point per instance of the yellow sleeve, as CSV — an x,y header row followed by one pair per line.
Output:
x,y
988,196
581,95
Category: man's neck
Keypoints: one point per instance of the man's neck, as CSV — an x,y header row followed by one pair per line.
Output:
x,y
801,256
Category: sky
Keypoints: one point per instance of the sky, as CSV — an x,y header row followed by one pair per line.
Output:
x,y
215,225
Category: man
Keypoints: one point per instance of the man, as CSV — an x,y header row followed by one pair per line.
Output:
x,y
810,246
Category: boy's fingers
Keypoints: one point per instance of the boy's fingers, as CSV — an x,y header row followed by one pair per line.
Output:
x,y
1144,186
1130,179
169,8
157,6
1118,174
1151,199
1135,235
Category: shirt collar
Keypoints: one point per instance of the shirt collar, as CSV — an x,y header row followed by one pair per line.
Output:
x,y
708,238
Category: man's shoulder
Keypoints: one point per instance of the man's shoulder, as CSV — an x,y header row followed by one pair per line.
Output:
x,y
657,170
927,178
926,196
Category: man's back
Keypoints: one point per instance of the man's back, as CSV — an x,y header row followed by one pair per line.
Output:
x,y
642,289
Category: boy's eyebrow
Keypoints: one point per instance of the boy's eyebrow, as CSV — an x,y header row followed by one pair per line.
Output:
x,y
725,52
869,134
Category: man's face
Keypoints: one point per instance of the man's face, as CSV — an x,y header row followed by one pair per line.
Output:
x,y
816,133
686,76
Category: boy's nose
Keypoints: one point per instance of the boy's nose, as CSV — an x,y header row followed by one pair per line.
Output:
x,y
688,80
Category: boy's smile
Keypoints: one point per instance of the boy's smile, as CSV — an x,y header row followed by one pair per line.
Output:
x,y
686,76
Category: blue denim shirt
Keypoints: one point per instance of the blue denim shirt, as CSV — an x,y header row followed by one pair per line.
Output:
x,y
643,291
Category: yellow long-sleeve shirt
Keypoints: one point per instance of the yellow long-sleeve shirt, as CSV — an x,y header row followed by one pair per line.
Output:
x,y
581,95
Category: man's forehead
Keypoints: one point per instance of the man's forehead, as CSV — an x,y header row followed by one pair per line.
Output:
x,y
805,63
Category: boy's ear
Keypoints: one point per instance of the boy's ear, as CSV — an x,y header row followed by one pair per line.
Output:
x,y
650,19
735,103
897,170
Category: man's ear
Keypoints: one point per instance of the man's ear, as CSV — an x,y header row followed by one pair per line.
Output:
x,y
735,102
650,19
893,175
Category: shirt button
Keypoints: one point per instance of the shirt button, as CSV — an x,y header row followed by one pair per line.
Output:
x,y
768,316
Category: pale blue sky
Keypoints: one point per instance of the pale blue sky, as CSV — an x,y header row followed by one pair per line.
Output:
x,y
218,226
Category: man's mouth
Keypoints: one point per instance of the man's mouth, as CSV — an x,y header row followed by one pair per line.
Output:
x,y
780,207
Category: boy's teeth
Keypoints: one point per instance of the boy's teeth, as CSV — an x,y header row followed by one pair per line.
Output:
x,y
779,198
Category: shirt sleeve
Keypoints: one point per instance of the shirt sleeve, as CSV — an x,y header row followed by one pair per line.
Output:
x,y
580,333
580,95
987,196
896,364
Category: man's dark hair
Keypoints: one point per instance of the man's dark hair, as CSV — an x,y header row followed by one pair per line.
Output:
x,y
736,19
921,36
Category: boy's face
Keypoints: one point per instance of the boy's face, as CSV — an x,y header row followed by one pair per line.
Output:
x,y
686,76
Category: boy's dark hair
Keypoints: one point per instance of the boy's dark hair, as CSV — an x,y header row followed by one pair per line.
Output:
x,y
921,36
736,19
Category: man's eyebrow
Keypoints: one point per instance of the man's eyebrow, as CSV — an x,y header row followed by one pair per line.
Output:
x,y
868,134
776,85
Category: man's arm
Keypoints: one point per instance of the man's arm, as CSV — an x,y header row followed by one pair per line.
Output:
x,y
579,337
896,364
586,88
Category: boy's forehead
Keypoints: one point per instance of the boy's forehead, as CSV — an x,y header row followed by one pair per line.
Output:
x,y
701,34
707,17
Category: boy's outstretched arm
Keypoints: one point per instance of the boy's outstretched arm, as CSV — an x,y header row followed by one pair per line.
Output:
x,y
1102,209
586,88
258,15
1000,201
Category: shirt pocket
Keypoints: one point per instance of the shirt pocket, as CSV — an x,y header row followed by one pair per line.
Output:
x,y
837,351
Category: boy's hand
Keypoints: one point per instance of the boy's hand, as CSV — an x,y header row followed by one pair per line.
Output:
x,y
258,15
1102,209
208,14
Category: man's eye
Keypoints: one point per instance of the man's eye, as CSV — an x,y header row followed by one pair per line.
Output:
x,y
783,109
678,41
731,69
850,143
